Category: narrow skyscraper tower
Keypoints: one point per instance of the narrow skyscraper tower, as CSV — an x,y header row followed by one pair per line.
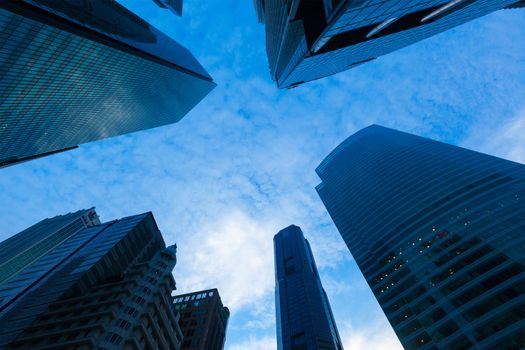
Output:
x,y
312,39
73,72
304,316
438,232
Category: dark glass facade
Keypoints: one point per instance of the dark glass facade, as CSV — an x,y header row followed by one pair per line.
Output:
x,y
437,231
72,73
203,319
312,39
101,285
304,316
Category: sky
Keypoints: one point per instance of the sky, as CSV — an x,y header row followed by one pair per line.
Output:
x,y
240,166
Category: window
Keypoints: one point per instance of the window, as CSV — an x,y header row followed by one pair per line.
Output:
x,y
299,341
113,338
289,266
124,324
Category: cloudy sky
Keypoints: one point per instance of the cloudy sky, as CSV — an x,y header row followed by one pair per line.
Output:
x,y
240,166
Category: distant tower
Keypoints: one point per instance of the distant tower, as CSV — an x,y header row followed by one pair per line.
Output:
x,y
438,233
304,316
312,39
174,6
88,285
73,72
203,319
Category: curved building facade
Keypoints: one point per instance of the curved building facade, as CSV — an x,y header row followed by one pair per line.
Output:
x,y
438,233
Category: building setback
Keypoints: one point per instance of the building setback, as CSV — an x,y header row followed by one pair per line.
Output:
x,y
312,39
76,72
203,319
104,286
304,316
437,231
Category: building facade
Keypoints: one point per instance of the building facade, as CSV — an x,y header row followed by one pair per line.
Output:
x,y
76,72
105,286
203,319
312,39
437,231
304,317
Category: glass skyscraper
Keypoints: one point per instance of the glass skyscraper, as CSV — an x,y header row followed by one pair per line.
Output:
x,y
438,233
304,316
312,39
82,284
73,72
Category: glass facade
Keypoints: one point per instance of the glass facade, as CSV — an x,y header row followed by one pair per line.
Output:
x,y
308,40
19,251
76,73
437,231
304,316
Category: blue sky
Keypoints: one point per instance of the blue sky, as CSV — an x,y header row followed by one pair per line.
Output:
x,y
240,166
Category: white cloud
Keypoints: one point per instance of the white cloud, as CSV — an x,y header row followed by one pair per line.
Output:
x,y
256,343
506,140
234,254
373,336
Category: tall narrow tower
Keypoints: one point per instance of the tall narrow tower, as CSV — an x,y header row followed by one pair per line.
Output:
x,y
438,233
304,316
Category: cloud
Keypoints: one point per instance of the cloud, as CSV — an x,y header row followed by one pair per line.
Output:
x,y
256,343
506,140
373,336
234,254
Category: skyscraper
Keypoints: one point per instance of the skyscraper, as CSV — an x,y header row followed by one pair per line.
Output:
x,y
437,231
93,286
312,39
304,316
76,72
174,6
203,319
17,252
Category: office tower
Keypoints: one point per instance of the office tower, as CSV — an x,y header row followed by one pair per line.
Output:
x,y
76,72
174,6
312,39
95,285
203,319
304,316
17,252
437,232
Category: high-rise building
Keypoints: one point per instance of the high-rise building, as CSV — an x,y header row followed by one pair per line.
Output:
x,y
17,252
203,319
80,284
437,231
73,72
312,39
304,317
174,6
